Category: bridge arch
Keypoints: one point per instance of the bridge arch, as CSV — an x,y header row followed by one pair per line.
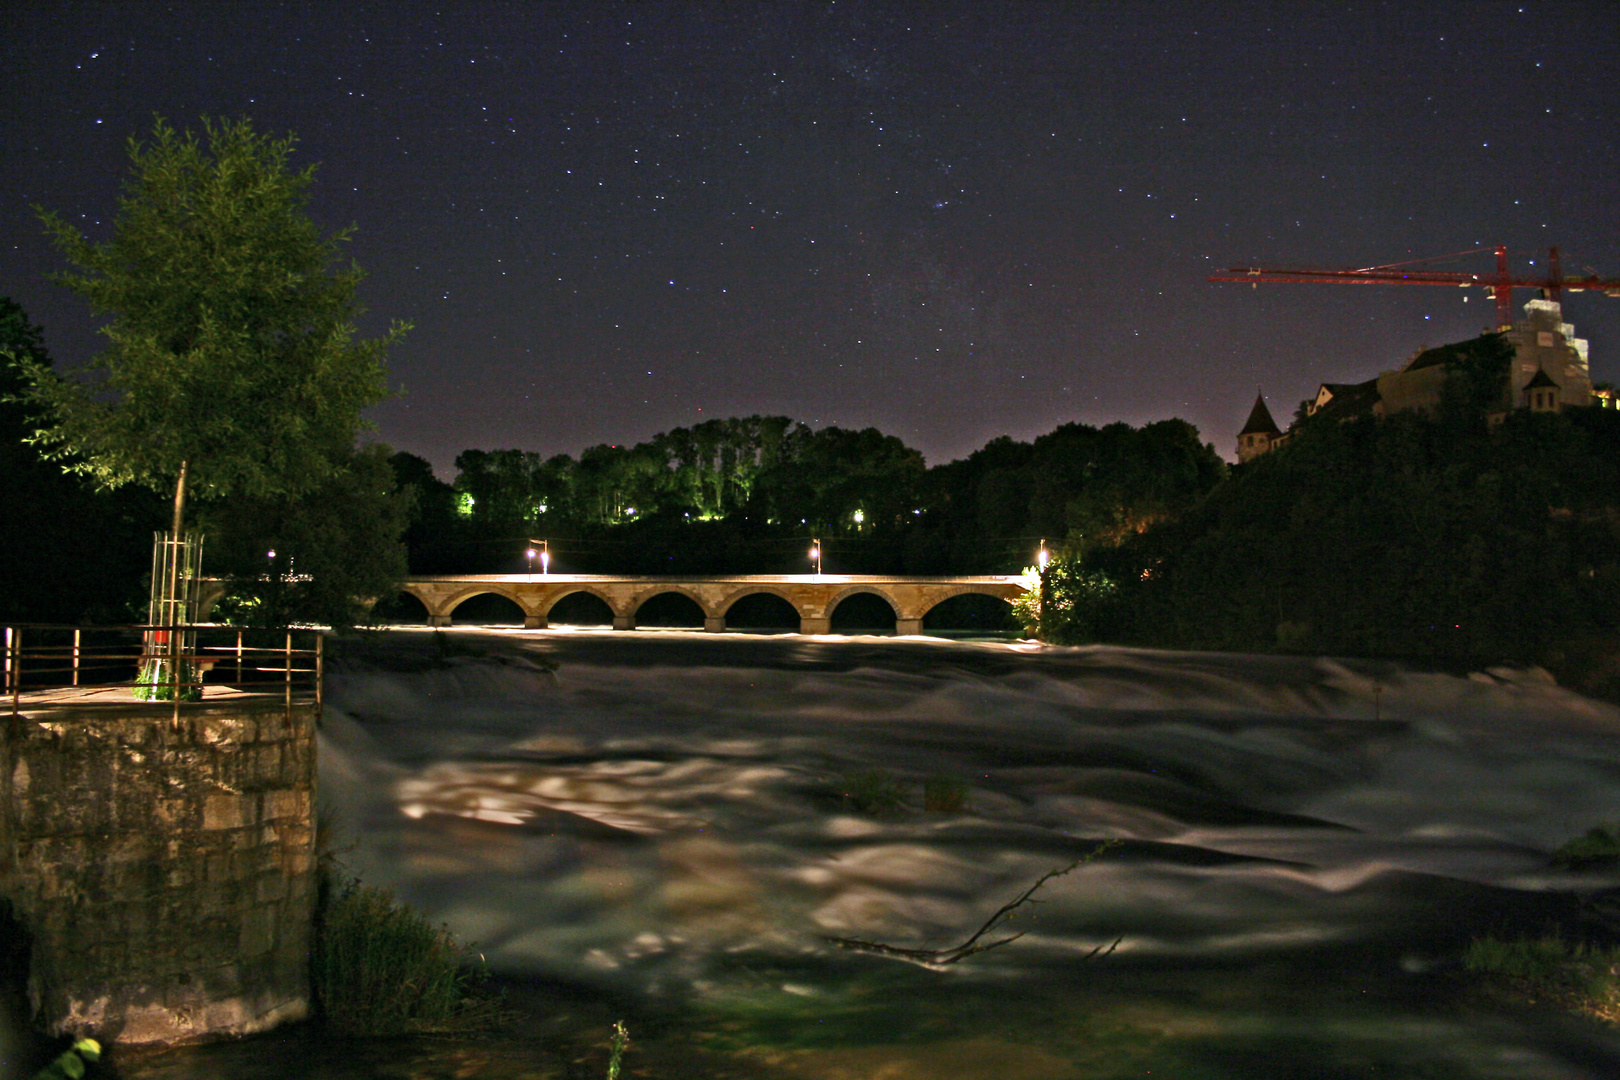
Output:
x,y
670,603
844,594
851,610
730,599
969,609
759,611
643,595
582,591
454,605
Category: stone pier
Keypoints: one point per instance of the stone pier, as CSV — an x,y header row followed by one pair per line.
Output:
x,y
163,863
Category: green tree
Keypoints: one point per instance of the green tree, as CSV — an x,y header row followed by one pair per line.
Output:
x,y
231,364
335,548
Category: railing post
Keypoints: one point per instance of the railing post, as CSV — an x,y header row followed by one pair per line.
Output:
x,y
239,658
289,673
76,632
320,667
174,666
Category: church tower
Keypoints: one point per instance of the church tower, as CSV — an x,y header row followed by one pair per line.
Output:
x,y
1259,433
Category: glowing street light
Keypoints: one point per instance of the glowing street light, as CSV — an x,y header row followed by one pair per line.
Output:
x,y
530,554
815,555
1042,559
545,557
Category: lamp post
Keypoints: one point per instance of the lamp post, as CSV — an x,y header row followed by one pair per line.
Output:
x,y
545,557
1042,558
530,554
815,555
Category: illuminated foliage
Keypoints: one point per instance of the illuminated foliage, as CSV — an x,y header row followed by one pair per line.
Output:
x,y
230,353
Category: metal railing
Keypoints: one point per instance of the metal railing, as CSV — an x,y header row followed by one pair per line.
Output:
x,y
161,663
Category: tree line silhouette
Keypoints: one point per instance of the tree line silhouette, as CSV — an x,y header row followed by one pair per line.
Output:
x,y
746,495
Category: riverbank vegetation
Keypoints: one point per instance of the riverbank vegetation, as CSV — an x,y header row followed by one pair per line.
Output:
x,y
1575,977
1573,963
380,968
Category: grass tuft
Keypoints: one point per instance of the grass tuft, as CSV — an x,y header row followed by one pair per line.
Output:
x,y
1575,977
380,968
875,792
621,1039
1600,845
944,795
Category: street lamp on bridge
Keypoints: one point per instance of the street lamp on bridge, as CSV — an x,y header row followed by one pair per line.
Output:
x,y
815,555
544,552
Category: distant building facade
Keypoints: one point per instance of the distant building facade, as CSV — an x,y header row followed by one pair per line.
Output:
x,y
1549,373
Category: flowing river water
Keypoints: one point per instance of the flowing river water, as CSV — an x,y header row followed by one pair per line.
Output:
x,y
670,828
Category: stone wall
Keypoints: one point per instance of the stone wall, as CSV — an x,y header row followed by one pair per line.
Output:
x,y
164,868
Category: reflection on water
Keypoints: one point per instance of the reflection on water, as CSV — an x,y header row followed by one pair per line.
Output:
x,y
661,827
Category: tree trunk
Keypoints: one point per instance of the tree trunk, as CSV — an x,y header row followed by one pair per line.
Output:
x,y
179,500
176,547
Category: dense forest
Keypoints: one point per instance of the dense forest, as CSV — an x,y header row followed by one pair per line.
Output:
x,y
746,495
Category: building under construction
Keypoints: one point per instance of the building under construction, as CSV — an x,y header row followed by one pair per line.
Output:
x,y
1550,373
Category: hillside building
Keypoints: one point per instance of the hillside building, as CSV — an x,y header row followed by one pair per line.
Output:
x,y
1549,373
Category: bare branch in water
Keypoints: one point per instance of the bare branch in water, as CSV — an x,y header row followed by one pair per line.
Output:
x,y
937,957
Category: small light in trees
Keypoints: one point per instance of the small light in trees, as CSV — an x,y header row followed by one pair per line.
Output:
x,y
464,504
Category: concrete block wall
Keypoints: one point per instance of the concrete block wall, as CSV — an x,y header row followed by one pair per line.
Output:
x,y
164,869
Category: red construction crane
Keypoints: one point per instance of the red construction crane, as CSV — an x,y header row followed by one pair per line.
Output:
x,y
1501,284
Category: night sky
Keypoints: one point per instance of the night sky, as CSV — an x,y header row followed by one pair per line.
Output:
x,y
948,221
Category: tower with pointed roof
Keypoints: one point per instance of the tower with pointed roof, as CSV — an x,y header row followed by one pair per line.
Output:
x,y
1260,433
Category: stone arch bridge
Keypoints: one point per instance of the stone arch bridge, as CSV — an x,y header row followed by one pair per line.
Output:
x,y
813,596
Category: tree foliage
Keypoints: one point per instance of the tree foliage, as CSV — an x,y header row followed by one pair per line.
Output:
x,y
67,552
335,548
746,494
1424,536
231,355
